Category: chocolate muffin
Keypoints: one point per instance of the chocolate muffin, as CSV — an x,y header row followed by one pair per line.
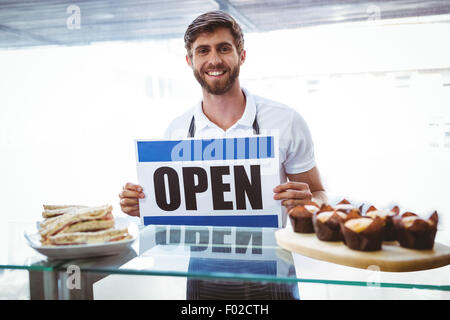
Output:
x,y
344,205
362,233
327,225
414,232
389,233
301,217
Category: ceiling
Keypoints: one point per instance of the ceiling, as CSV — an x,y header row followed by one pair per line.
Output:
x,y
29,23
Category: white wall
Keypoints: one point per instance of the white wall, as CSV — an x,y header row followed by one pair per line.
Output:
x,y
69,115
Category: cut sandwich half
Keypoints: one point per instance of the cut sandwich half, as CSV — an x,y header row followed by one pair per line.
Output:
x,y
54,207
78,220
77,238
51,211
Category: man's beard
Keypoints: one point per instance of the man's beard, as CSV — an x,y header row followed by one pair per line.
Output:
x,y
219,87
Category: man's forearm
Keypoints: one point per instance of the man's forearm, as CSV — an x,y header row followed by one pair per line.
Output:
x,y
319,197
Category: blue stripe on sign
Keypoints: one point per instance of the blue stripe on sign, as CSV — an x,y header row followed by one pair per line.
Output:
x,y
271,148
268,221
155,151
208,149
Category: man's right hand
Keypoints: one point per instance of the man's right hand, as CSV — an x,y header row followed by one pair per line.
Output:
x,y
129,199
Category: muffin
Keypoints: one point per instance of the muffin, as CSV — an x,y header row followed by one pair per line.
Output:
x,y
389,233
344,205
327,225
301,217
362,233
414,232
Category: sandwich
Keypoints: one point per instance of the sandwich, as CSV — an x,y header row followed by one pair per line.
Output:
x,y
102,236
81,219
54,207
51,211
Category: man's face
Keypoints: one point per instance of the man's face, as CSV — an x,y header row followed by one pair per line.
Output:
x,y
215,61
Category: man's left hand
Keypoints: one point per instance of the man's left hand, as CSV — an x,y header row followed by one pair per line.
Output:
x,y
292,193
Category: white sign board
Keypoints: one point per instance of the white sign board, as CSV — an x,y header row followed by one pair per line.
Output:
x,y
215,182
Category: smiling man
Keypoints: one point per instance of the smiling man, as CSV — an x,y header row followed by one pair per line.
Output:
x,y
215,52
219,76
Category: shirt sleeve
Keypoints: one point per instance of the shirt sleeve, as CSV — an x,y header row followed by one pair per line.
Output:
x,y
300,153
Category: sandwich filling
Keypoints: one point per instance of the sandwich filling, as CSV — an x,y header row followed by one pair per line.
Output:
x,y
90,237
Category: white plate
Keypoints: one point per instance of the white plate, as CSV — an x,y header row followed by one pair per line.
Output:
x,y
84,250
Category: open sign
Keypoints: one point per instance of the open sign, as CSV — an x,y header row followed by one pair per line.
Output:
x,y
217,182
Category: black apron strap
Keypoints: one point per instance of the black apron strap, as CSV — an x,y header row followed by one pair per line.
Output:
x,y
191,132
255,127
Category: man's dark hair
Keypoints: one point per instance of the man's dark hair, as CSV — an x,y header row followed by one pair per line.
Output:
x,y
209,22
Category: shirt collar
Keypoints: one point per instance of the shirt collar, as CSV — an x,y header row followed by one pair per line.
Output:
x,y
247,119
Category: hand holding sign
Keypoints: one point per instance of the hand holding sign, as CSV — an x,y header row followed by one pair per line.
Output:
x,y
129,198
292,193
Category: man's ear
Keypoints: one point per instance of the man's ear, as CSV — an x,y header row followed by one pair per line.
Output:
x,y
188,60
242,56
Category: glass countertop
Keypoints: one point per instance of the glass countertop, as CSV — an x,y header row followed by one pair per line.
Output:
x,y
15,252
224,253
203,252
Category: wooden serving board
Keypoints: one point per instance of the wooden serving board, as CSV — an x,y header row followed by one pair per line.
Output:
x,y
391,257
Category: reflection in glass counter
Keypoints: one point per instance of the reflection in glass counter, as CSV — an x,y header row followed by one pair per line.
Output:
x,y
222,252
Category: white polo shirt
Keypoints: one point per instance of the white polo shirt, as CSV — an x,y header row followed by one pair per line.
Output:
x,y
296,149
